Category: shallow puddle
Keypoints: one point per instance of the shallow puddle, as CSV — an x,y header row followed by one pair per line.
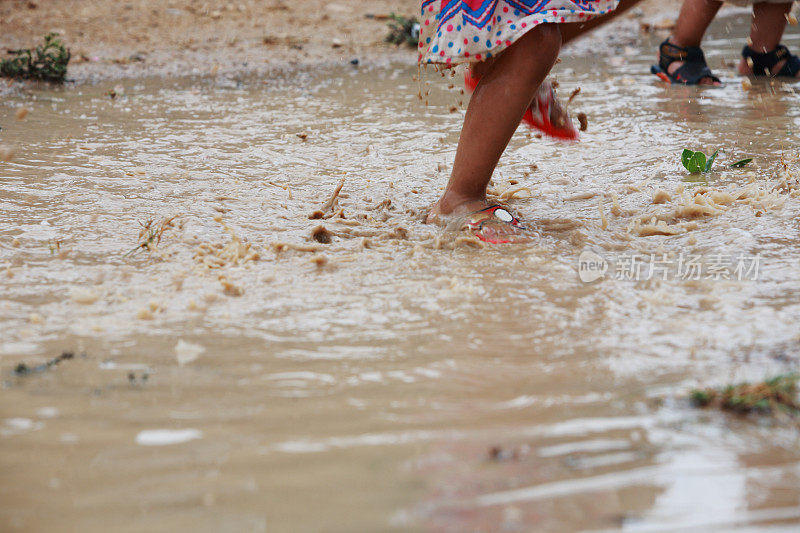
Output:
x,y
236,374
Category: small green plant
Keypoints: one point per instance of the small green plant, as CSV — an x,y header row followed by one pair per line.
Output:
x,y
742,163
403,30
776,395
47,62
697,162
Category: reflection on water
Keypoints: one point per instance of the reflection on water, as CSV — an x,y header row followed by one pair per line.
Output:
x,y
362,384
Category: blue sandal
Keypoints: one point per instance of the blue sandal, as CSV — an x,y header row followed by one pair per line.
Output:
x,y
694,68
763,64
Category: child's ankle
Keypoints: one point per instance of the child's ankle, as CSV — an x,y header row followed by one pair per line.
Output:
x,y
453,203
683,42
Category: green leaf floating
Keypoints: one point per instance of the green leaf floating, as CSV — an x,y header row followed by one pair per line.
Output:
x,y
742,163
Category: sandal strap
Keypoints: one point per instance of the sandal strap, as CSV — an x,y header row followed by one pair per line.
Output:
x,y
694,68
764,62
791,68
693,73
669,53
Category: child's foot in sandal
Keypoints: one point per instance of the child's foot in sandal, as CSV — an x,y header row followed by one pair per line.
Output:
x,y
683,65
496,225
779,62
490,223
545,114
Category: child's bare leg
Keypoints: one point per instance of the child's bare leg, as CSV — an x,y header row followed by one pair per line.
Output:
x,y
766,32
693,21
505,91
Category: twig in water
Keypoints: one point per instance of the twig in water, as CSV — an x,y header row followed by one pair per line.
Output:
x,y
151,233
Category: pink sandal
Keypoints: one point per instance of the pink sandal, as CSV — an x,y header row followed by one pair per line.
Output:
x,y
545,113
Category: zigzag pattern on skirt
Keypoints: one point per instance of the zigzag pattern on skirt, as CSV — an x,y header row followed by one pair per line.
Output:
x,y
479,12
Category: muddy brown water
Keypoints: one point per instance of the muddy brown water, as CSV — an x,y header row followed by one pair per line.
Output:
x,y
396,378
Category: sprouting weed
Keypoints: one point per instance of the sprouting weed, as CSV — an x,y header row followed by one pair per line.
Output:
x,y
697,162
775,395
151,233
403,30
54,245
47,62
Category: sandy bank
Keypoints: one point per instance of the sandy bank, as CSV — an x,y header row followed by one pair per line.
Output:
x,y
113,39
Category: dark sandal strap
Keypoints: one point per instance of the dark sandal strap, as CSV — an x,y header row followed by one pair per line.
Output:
x,y
694,68
693,73
763,63
791,68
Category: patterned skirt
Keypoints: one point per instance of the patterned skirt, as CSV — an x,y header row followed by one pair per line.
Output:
x,y
464,31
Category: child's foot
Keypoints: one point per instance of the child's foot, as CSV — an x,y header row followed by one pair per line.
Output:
x,y
779,62
683,65
490,223
545,114
446,210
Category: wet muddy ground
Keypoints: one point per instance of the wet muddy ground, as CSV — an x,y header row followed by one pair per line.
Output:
x,y
235,367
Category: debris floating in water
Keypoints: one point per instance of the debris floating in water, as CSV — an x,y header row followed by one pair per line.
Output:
x,y
603,219
6,153
321,235
330,204
82,295
23,369
575,92
233,253
319,260
661,197
584,121
151,233
284,246
515,192
229,289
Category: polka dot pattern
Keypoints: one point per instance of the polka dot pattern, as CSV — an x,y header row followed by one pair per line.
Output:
x,y
462,31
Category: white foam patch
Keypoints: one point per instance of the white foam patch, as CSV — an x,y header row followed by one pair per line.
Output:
x,y
166,437
47,412
14,426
